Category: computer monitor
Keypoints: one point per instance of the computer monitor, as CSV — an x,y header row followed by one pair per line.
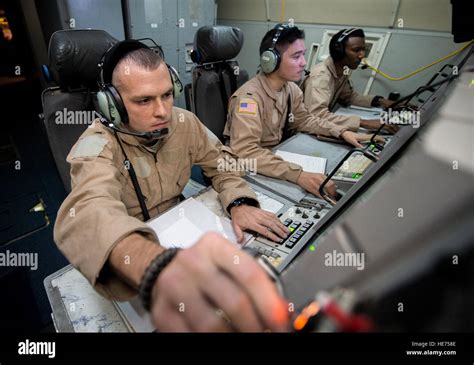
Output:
x,y
397,249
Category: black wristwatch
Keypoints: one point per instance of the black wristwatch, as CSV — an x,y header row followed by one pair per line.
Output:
x,y
242,201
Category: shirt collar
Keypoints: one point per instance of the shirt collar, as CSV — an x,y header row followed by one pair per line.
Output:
x,y
268,90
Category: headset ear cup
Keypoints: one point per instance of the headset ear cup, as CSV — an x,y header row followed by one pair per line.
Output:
x,y
103,103
339,49
108,108
277,59
121,115
111,105
177,83
269,61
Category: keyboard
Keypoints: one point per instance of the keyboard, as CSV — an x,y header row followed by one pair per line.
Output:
x,y
353,169
301,221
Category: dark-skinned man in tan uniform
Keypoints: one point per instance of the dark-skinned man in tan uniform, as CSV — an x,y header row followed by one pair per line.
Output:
x,y
258,110
100,226
329,83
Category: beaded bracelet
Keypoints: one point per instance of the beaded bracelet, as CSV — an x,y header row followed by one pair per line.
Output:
x,y
151,275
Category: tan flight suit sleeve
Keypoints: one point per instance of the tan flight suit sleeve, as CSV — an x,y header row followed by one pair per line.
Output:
x,y
245,136
306,122
93,218
219,164
317,97
349,96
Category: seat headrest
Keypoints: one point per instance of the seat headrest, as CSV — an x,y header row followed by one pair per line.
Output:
x,y
216,43
74,56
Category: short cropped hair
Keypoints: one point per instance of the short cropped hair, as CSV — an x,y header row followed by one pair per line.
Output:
x,y
143,57
287,37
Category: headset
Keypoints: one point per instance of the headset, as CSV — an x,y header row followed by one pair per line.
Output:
x,y
339,47
110,102
270,58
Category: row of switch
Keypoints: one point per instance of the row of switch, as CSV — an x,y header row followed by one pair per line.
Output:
x,y
271,256
294,226
267,252
304,214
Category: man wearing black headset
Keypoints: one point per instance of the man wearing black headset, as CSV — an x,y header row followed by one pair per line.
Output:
x,y
134,163
268,105
329,83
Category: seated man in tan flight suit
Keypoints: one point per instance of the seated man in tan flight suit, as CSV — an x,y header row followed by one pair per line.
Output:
x,y
329,83
100,226
259,110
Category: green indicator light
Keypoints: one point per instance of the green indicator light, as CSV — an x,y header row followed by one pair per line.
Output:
x,y
311,248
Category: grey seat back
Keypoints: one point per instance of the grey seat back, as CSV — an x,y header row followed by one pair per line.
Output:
x,y
68,108
61,130
216,76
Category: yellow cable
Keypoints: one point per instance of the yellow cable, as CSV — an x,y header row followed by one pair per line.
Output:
x,y
282,11
364,61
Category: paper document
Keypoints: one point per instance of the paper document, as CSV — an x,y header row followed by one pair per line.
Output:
x,y
308,163
210,200
267,203
183,234
283,188
183,225
360,111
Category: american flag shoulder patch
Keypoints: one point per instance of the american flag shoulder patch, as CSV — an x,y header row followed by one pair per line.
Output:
x,y
248,106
